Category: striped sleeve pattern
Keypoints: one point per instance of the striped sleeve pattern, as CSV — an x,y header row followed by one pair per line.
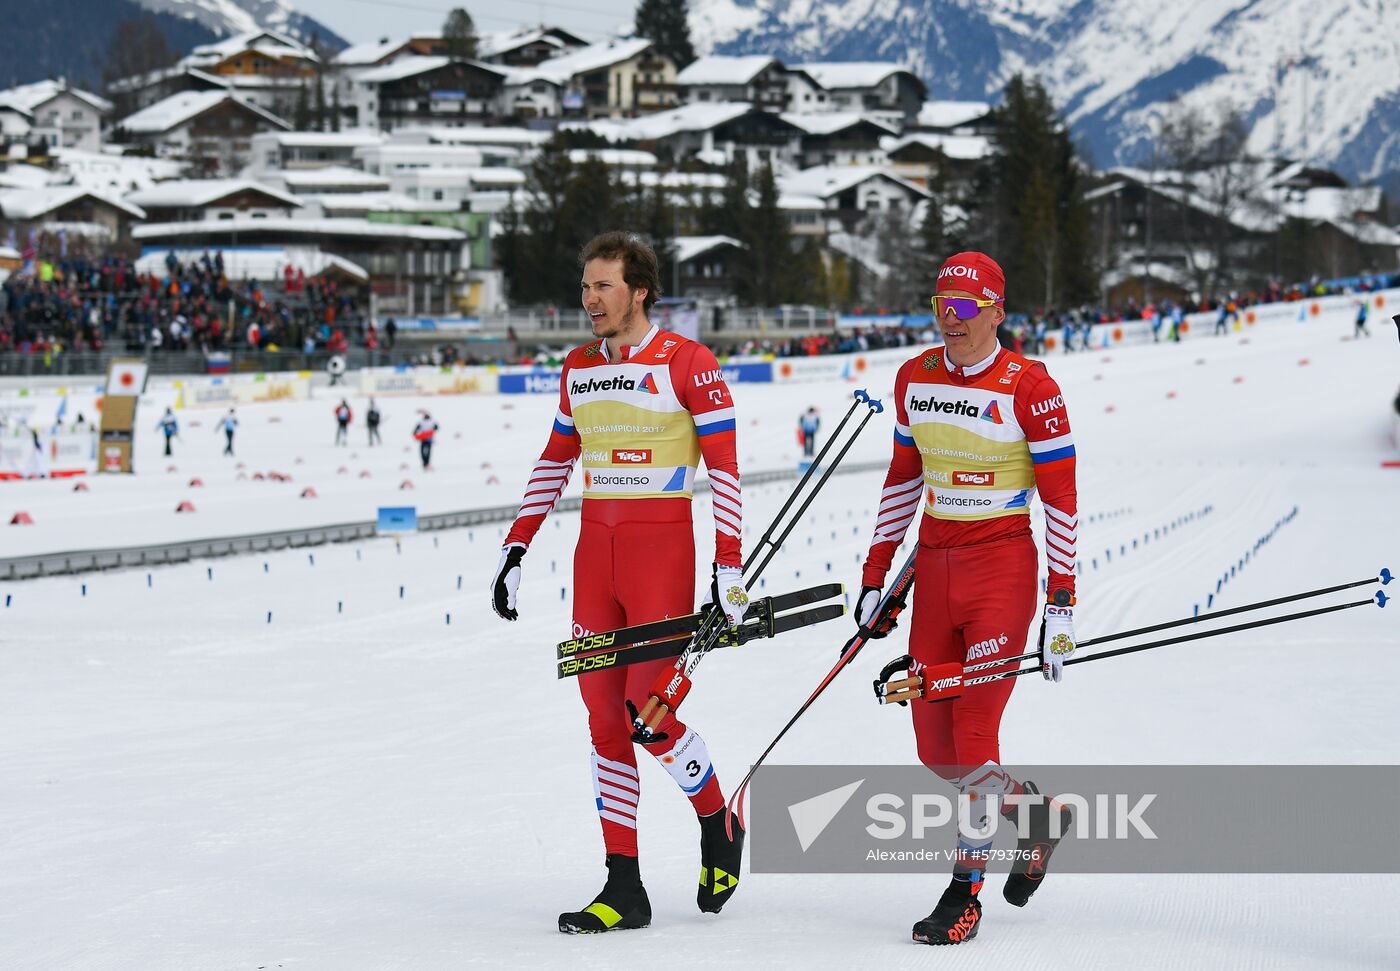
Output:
x,y
1061,546
550,474
1040,409
701,388
901,495
899,504
547,482
728,503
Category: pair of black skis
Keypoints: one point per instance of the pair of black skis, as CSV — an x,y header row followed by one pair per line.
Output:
x,y
766,617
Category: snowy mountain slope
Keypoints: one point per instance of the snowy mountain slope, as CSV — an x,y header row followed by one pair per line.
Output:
x,y
1316,79
241,16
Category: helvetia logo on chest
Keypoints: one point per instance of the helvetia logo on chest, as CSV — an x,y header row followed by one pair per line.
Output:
x,y
647,385
592,385
991,413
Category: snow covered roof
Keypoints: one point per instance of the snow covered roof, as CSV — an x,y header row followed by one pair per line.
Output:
x,y
325,139
503,42
720,69
797,202
202,192
17,109
36,202
253,262
613,157
364,202
592,58
330,175
689,247
697,116
265,41
825,181
177,109
961,147
850,74
951,114
352,228
474,135
370,52
404,67
829,122
21,176
28,97
9,252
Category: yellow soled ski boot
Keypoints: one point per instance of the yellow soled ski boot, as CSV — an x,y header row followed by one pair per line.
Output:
x,y
622,904
719,860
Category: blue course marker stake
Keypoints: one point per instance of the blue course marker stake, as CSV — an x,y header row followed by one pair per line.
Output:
x,y
563,593
340,606
264,567
210,571
148,579
84,589
449,620
1210,599
357,554
7,600
400,592
311,558
459,581
269,616
435,539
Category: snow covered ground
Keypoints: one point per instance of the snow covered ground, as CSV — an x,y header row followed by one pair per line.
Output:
x,y
360,783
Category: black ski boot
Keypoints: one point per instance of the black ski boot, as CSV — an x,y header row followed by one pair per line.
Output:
x,y
719,860
956,917
1034,849
622,904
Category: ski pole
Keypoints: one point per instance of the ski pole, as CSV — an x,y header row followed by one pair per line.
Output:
x,y
710,626
1380,598
671,687
891,605
874,407
1384,577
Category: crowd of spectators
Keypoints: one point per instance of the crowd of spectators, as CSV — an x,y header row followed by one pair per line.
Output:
x,y
81,304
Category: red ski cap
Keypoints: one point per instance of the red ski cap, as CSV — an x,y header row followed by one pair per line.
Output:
x,y
974,273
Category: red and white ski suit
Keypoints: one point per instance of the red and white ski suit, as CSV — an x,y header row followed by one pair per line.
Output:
x,y
640,424
971,447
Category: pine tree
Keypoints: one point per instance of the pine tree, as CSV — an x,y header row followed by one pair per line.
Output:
x,y
301,114
768,279
459,35
664,23
1031,215
138,47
